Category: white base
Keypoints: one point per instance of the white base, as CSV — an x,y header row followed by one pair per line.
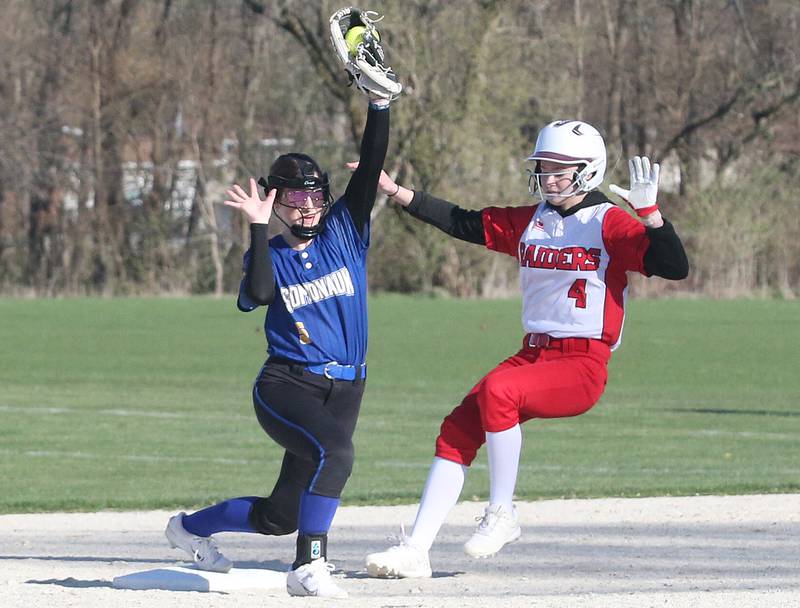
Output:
x,y
191,579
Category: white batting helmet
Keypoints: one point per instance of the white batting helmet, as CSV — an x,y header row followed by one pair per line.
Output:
x,y
572,142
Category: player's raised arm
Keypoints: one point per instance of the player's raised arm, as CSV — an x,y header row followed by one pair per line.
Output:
x,y
665,256
363,185
258,285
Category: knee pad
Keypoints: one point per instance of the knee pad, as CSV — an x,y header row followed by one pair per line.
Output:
x,y
266,519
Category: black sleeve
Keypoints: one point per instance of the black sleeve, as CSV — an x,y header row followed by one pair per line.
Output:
x,y
259,280
363,186
665,257
463,224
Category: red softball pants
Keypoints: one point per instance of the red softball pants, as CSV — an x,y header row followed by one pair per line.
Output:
x,y
563,378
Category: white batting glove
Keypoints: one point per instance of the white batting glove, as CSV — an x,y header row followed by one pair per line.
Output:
x,y
644,186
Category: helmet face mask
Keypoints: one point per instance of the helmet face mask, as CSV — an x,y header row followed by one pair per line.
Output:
x,y
306,181
306,209
537,179
569,143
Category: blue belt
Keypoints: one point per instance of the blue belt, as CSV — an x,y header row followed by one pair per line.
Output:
x,y
334,371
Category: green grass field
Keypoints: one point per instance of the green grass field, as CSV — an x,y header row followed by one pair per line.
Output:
x,y
143,403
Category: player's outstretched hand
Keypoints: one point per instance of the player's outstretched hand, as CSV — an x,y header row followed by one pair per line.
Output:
x,y
257,211
643,194
389,187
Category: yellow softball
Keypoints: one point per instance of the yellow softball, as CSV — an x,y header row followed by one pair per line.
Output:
x,y
355,36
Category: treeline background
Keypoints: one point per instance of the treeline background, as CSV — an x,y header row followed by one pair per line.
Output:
x,y
123,121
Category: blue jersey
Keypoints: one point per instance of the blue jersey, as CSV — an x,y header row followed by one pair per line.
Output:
x,y
319,313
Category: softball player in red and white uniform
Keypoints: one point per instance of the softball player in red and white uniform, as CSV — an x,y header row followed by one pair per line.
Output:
x,y
574,250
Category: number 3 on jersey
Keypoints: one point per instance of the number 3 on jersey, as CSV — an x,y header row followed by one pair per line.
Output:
x,y
578,291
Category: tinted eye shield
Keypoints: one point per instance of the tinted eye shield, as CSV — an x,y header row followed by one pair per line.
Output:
x,y
298,189
298,198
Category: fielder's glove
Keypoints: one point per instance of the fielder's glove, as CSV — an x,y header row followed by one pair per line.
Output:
x,y
644,186
357,45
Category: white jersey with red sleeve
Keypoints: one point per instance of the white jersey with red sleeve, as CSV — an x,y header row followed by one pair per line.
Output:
x,y
573,268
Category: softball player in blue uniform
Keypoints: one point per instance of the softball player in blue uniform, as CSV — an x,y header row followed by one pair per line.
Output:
x,y
307,262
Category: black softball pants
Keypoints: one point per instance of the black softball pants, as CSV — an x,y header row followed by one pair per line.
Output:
x,y
313,418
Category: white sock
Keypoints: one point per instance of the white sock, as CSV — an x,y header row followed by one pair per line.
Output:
x,y
442,489
503,449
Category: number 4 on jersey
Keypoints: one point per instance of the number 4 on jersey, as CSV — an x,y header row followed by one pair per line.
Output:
x,y
578,291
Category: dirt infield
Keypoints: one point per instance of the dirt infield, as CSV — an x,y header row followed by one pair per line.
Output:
x,y
733,551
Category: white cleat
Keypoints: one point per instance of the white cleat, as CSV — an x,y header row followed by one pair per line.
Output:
x,y
405,560
202,549
314,580
497,528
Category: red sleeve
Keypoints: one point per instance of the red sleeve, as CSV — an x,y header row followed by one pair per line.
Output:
x,y
503,227
626,240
